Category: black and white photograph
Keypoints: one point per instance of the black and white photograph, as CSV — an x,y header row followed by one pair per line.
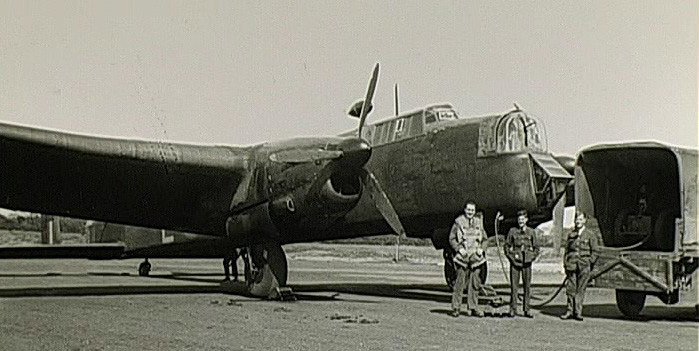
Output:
x,y
349,175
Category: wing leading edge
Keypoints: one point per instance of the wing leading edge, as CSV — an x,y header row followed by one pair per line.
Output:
x,y
145,183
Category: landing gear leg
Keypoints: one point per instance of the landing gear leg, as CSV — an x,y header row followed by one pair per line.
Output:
x,y
144,268
269,269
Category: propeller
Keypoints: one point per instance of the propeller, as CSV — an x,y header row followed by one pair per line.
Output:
x,y
303,156
351,155
371,184
381,201
366,106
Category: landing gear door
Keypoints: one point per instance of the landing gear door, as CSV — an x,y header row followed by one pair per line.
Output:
x,y
551,179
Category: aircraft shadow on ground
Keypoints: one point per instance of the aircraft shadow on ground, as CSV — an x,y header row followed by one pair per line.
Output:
x,y
610,311
102,290
120,289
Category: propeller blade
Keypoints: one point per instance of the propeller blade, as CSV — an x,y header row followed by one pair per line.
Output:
x,y
366,106
382,203
303,156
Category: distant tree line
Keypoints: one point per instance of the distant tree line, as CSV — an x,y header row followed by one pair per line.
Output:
x,y
32,223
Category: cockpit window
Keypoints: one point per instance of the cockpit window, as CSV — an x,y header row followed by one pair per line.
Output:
x,y
518,132
511,137
446,115
440,113
513,132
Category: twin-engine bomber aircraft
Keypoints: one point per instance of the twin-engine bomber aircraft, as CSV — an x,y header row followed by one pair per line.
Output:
x,y
410,174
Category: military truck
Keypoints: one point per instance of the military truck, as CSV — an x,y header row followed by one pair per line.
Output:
x,y
641,199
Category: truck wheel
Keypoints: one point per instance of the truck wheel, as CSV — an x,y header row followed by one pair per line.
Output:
x,y
630,302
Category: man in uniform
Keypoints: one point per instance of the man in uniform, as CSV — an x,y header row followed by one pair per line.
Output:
x,y
580,254
521,249
231,262
467,238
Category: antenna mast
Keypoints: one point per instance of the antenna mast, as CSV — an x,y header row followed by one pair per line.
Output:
x,y
395,98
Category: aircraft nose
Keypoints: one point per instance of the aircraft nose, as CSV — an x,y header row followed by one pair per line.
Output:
x,y
355,151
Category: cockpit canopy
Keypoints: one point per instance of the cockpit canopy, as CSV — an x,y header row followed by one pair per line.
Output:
x,y
443,112
406,125
513,132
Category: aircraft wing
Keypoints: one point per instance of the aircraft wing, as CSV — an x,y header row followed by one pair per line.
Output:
x,y
144,183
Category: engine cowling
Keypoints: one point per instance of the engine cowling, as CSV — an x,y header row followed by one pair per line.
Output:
x,y
318,204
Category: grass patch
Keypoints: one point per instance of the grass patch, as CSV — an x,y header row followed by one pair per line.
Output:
x,y
23,237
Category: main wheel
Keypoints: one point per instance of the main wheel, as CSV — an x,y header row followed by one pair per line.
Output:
x,y
630,302
269,269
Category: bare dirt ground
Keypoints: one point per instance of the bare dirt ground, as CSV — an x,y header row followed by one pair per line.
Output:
x,y
344,304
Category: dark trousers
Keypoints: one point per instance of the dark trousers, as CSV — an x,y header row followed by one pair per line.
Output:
x,y
231,263
526,273
470,277
576,283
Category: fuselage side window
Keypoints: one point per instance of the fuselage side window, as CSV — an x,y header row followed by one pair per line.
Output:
x,y
416,124
386,135
378,129
400,125
430,117
369,134
391,131
400,130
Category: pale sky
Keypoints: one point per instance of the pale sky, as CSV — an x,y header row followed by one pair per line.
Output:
x,y
238,72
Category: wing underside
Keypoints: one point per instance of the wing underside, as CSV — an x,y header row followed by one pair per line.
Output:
x,y
144,183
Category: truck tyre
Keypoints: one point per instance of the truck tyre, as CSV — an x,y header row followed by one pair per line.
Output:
x,y
630,302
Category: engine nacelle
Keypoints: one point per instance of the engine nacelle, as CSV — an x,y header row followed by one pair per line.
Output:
x,y
317,204
251,224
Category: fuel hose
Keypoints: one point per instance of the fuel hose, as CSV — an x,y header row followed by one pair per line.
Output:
x,y
551,297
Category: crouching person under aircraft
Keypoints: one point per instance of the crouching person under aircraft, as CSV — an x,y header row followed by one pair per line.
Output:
x,y
467,238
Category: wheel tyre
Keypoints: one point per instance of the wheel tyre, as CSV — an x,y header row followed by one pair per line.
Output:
x,y
630,302
144,269
273,270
